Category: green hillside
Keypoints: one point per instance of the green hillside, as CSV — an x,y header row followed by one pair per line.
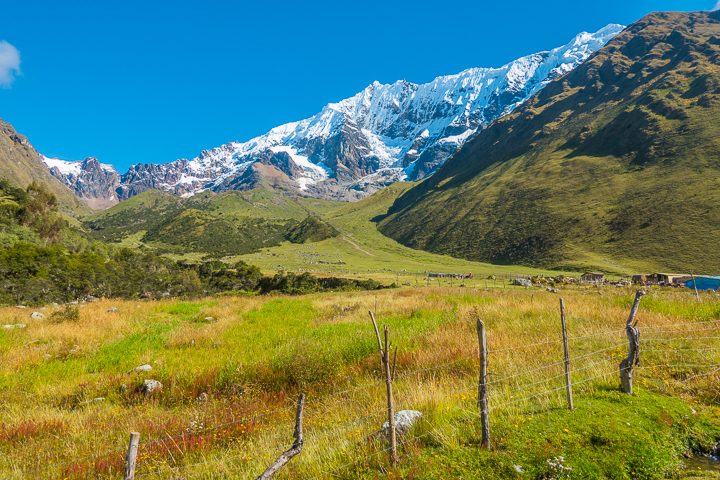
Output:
x,y
20,163
278,233
615,165
361,250
230,223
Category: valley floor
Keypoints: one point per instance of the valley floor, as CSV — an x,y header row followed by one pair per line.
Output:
x,y
232,368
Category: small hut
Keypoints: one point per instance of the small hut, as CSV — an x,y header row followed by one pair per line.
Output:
x,y
669,278
592,277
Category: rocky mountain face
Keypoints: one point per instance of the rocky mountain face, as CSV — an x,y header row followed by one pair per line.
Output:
x,y
383,134
21,164
616,163
94,182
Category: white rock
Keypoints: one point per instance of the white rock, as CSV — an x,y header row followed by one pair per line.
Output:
x,y
149,386
113,310
141,368
37,316
404,421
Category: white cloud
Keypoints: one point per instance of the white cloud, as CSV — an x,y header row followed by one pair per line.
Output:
x,y
717,6
9,63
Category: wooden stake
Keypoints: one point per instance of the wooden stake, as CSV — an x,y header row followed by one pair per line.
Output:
x,y
633,358
131,457
566,348
296,448
482,386
377,335
390,403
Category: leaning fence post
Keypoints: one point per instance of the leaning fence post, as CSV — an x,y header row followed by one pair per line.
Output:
x,y
389,377
566,349
131,457
296,447
390,402
482,385
633,358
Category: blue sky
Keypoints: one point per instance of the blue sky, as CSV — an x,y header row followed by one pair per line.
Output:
x,y
154,81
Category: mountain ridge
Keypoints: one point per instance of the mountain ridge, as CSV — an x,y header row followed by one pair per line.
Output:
x,y
614,162
383,134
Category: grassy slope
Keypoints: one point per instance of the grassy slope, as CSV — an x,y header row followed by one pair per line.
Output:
x,y
153,219
21,164
361,250
613,166
223,224
259,353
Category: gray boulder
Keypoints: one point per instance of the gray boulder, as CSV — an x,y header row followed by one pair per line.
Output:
x,y
150,386
404,421
522,282
37,316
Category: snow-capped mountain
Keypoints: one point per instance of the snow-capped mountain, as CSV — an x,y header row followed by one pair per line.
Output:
x,y
94,182
383,134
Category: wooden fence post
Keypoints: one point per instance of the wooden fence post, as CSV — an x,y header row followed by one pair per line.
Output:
x,y
389,377
131,457
633,358
566,349
294,450
390,402
482,385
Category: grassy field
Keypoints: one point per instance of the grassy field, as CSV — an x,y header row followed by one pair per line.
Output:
x,y
232,367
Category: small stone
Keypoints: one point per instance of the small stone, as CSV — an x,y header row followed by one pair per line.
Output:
x,y
202,398
99,399
20,306
149,386
522,282
552,289
404,421
37,316
209,319
91,298
518,469
141,368
112,310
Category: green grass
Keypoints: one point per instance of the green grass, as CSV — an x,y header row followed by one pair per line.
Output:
x,y
69,401
361,250
328,238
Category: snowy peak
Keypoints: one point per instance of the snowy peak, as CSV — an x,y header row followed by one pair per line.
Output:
x,y
94,182
384,133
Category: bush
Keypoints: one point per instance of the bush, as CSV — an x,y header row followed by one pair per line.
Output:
x,y
68,313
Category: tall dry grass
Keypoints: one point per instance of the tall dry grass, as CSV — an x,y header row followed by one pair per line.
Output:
x,y
69,401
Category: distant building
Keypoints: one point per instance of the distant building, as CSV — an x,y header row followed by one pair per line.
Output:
x,y
669,278
640,278
704,283
592,277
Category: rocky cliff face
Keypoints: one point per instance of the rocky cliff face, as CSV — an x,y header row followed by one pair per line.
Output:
x,y
95,183
385,133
